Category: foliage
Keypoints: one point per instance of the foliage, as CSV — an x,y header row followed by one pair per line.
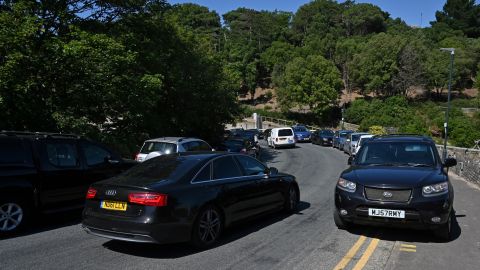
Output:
x,y
377,130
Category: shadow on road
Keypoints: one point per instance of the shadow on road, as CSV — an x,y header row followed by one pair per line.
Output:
x,y
43,222
406,235
231,234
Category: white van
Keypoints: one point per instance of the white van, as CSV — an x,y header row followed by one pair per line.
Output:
x,y
281,137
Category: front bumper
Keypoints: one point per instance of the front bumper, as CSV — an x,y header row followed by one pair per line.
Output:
x,y
419,211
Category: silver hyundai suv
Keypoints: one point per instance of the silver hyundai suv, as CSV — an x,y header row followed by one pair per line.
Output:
x,y
170,145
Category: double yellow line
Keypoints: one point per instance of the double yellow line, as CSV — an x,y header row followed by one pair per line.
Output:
x,y
353,251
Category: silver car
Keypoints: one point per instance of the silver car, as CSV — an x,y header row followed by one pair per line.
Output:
x,y
352,142
170,145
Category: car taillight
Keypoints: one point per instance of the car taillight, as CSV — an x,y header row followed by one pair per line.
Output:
x,y
91,193
148,198
136,156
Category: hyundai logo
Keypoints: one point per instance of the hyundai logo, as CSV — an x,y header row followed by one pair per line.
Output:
x,y
111,192
387,194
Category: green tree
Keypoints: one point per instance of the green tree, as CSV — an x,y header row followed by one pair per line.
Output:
x,y
312,81
461,15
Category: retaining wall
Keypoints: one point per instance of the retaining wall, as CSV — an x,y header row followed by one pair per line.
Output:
x,y
468,162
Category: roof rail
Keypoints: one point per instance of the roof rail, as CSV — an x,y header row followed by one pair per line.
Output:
x,y
41,134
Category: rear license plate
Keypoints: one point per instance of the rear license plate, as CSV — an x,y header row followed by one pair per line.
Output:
x,y
386,213
117,206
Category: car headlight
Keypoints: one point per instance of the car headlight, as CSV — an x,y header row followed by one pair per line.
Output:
x,y
346,185
435,190
325,139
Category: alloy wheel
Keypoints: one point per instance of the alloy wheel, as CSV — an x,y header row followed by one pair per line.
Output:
x,y
209,226
293,198
11,215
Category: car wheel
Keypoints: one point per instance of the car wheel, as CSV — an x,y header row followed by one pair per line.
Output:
x,y
292,200
444,232
339,221
14,215
207,227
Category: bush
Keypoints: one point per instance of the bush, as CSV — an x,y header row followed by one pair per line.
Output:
x,y
377,130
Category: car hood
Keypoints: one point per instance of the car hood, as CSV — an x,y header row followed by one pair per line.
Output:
x,y
394,177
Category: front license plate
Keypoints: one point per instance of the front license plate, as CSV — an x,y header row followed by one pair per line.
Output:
x,y
386,213
117,206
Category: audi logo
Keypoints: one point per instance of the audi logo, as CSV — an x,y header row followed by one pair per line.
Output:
x,y
387,194
111,192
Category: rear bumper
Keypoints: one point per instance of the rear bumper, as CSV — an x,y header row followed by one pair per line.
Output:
x,y
141,230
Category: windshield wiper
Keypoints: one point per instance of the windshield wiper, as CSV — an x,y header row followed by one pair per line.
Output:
x,y
419,165
381,164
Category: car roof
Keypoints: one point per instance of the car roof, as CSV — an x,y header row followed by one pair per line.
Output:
x,y
281,128
173,139
401,138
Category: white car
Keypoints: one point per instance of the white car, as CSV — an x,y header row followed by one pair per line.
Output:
x,y
170,145
352,142
281,137
361,140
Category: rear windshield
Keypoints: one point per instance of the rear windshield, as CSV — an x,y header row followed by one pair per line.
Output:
x,y
285,132
300,129
157,169
397,154
162,147
234,144
12,151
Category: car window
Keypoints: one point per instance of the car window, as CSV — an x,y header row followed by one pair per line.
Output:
x,y
12,151
225,167
197,146
397,153
285,132
94,154
204,174
251,166
62,154
162,147
300,129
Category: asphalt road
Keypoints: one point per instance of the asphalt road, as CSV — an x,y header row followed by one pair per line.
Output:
x,y
305,240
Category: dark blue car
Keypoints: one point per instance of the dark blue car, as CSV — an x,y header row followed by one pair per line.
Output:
x,y
301,133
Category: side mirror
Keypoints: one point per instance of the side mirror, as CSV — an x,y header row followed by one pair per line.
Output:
x,y
450,162
271,171
350,160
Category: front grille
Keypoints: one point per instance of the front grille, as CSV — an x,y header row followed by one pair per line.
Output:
x,y
383,195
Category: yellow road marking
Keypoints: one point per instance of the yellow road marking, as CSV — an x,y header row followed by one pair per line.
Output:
x,y
408,246
408,249
353,250
366,255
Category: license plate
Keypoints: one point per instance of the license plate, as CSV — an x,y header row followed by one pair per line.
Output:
x,y
386,213
117,206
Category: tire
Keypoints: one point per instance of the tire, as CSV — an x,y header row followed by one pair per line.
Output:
x,y
14,215
293,198
339,222
444,233
207,227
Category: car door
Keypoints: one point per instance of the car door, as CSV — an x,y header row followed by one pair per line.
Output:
x,y
61,171
100,163
240,194
269,191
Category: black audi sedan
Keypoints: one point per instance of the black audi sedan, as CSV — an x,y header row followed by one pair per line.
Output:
x,y
396,181
186,197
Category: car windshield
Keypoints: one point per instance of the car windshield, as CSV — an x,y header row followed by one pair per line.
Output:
x,y
162,147
299,129
234,144
344,134
356,137
285,132
397,154
327,132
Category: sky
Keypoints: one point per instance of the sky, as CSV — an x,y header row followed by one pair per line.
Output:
x,y
413,12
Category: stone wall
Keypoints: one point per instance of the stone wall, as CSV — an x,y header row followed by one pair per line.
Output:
x,y
468,161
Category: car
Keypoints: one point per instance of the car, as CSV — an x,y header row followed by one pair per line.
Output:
x,y
323,137
301,133
336,138
282,137
342,138
189,197
170,145
351,142
239,145
361,140
397,181
48,173
257,132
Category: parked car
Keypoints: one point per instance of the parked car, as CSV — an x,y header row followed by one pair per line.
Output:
x,y
170,145
282,137
352,141
362,140
396,181
343,137
301,133
239,145
186,197
323,137
257,132
47,172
